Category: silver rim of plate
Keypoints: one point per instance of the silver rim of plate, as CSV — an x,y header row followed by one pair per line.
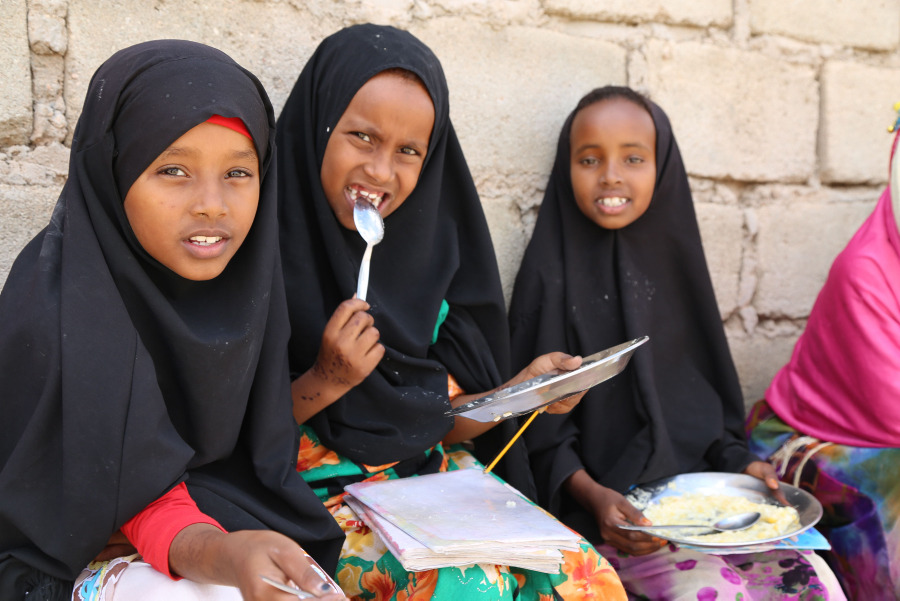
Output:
x,y
808,507
545,389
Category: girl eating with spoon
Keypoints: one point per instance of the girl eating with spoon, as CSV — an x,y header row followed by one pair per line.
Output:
x,y
369,118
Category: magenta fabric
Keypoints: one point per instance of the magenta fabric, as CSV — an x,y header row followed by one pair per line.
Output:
x,y
842,383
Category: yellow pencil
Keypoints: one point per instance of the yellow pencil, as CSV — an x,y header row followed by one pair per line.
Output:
x,y
500,455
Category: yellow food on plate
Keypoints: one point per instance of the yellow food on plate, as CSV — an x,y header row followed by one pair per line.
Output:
x,y
700,508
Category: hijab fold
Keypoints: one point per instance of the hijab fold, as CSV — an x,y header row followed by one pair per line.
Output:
x,y
121,378
581,288
842,382
436,247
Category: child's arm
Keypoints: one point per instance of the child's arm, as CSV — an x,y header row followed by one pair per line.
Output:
x,y
179,540
350,351
610,508
153,529
203,553
467,429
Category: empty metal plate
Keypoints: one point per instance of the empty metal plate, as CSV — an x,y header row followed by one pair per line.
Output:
x,y
549,388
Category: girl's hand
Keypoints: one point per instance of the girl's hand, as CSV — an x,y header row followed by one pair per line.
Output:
x,y
118,546
467,429
350,350
258,553
765,472
557,361
611,508
203,553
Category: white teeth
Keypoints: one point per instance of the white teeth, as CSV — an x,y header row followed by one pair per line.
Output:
x,y
374,197
614,201
205,240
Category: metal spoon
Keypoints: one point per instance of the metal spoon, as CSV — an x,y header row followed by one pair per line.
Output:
x,y
370,226
288,589
740,521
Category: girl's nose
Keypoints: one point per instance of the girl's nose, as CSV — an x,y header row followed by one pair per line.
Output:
x,y
611,173
210,201
379,166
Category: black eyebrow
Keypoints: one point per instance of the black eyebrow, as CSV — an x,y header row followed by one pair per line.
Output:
x,y
628,145
250,153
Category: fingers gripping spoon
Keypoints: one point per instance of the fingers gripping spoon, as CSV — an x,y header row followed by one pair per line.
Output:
x,y
288,589
370,226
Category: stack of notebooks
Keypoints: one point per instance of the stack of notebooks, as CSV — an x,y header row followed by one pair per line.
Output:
x,y
459,518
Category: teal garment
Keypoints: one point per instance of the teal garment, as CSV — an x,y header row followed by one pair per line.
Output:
x,y
442,315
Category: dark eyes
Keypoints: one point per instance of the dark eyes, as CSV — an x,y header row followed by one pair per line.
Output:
x,y
407,150
591,161
179,172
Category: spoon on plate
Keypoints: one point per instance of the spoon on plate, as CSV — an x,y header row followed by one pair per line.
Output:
x,y
739,521
370,226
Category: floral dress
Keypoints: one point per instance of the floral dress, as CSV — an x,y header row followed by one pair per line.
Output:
x,y
859,488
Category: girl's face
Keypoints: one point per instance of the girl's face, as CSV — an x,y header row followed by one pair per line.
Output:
x,y
378,146
613,161
192,208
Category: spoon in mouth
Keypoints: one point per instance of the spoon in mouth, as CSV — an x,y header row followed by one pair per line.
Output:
x,y
370,226
739,521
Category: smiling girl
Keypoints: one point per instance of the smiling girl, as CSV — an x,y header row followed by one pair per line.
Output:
x,y
615,255
369,118
144,445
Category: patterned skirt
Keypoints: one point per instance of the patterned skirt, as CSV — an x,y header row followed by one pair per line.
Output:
x,y
367,570
673,573
859,489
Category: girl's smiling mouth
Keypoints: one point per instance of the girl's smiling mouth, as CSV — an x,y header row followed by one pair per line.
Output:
x,y
207,245
205,240
612,205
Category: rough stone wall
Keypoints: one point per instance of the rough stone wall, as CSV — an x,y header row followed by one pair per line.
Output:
x,y
780,109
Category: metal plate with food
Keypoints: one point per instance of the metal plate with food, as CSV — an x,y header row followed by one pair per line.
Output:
x,y
739,489
535,393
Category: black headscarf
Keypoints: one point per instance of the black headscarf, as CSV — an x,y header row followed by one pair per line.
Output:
x,y
119,377
436,246
582,288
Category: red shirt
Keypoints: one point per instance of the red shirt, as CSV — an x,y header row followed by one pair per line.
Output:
x,y
152,530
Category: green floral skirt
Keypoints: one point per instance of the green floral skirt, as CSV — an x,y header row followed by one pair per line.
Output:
x,y
367,570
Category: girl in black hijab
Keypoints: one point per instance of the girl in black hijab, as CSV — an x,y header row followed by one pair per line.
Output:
x,y
142,345
615,255
369,117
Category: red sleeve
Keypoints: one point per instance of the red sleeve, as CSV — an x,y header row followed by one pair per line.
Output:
x,y
153,529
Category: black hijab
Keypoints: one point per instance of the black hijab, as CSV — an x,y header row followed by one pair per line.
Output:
x,y
120,378
678,406
436,247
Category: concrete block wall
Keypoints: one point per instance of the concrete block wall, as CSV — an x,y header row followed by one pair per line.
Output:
x,y
780,110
